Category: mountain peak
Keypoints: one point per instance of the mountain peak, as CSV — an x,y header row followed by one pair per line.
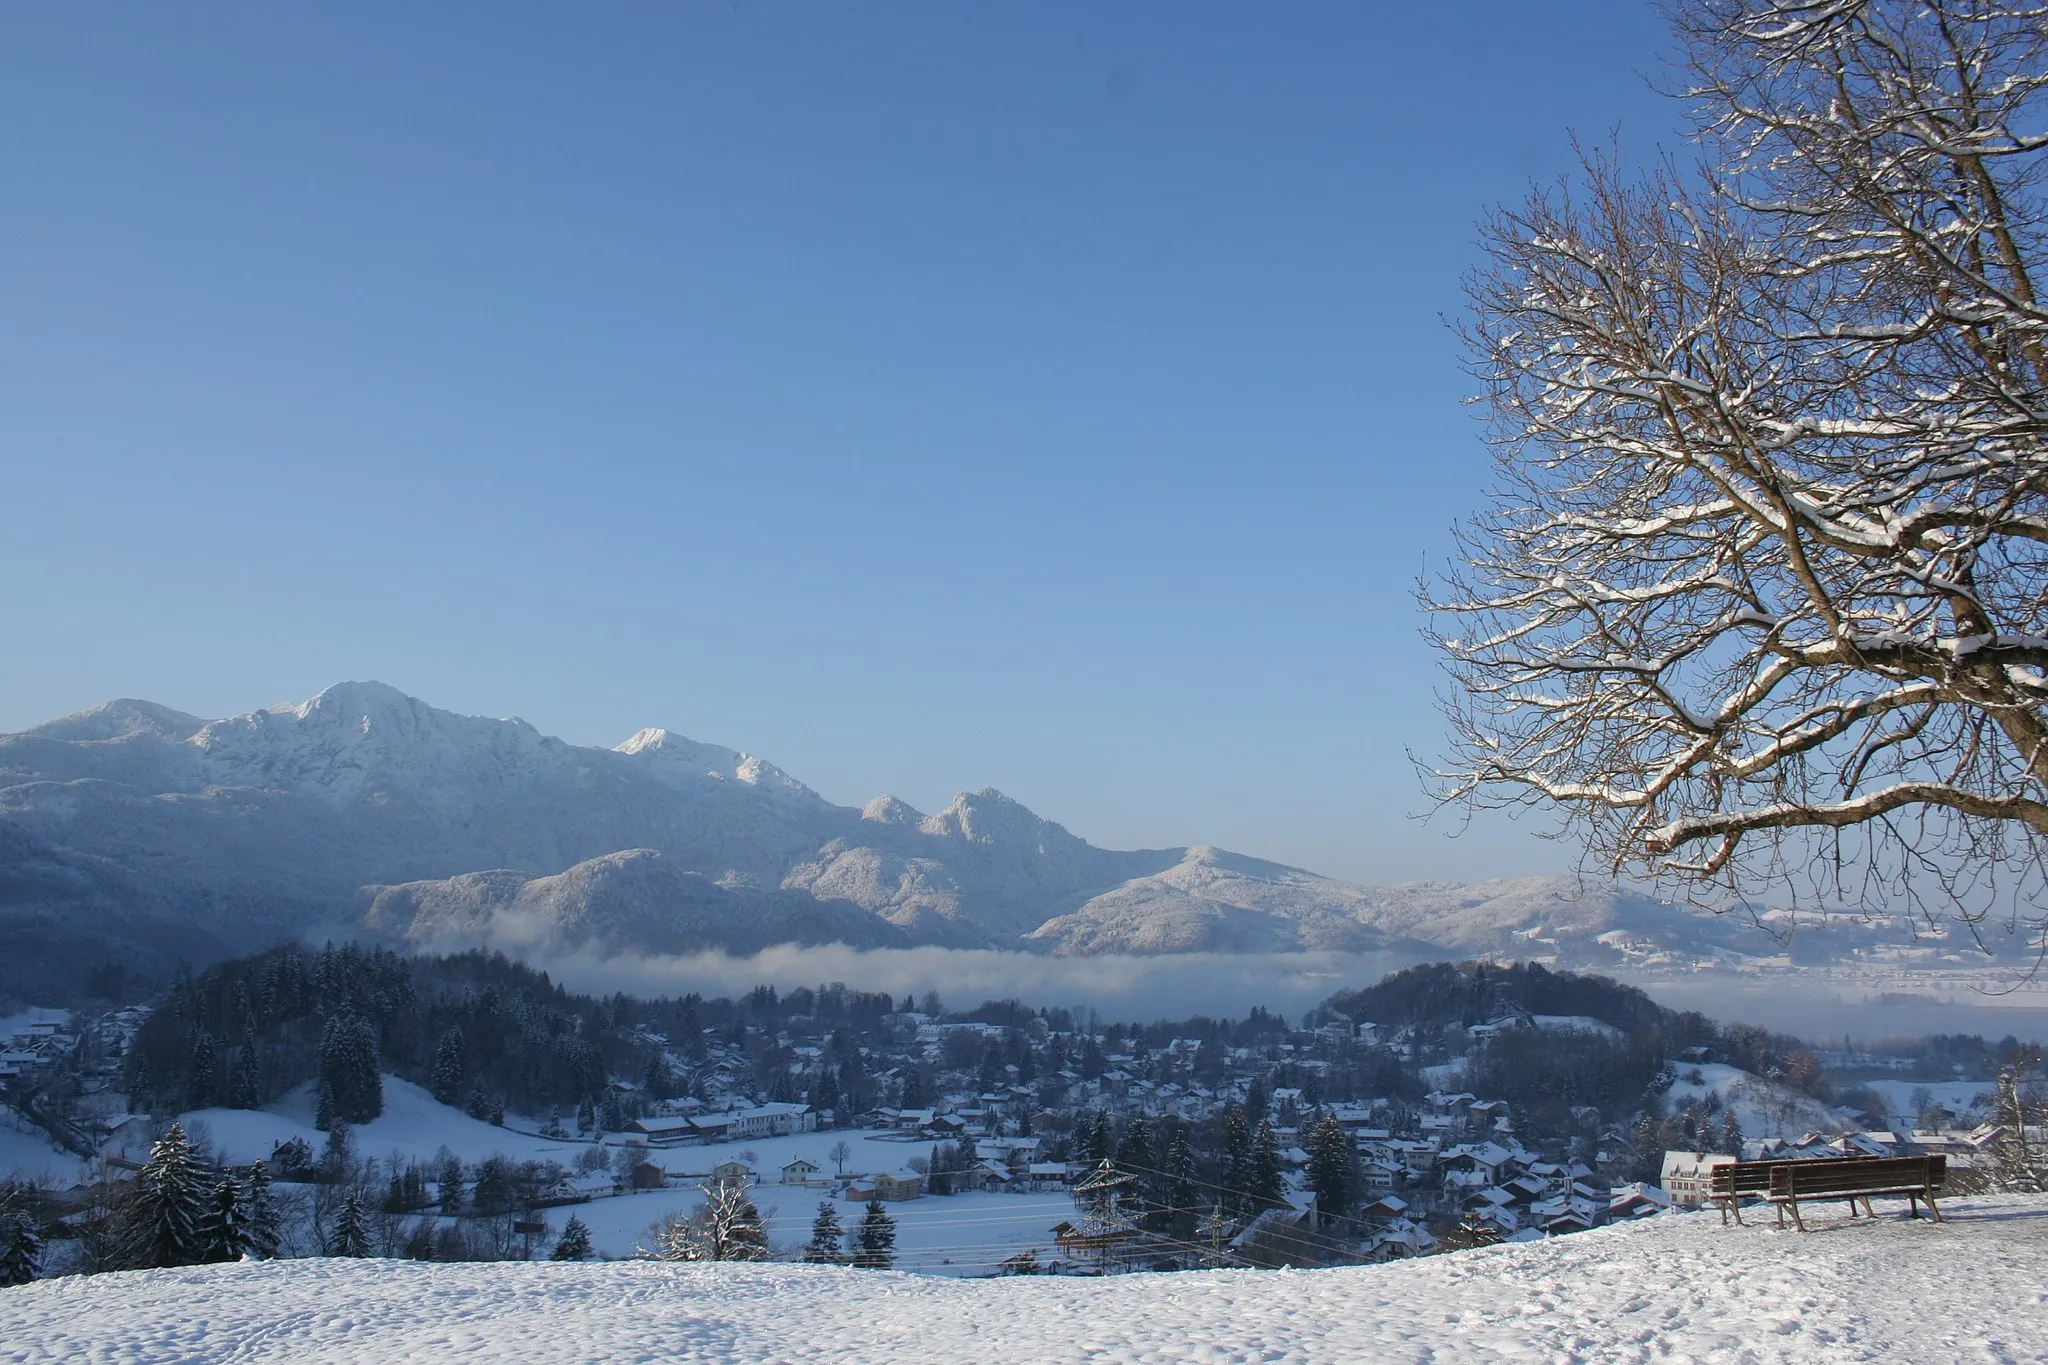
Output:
x,y
677,760
118,719
887,810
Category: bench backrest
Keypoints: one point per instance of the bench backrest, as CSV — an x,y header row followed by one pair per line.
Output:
x,y
1803,1178
1743,1177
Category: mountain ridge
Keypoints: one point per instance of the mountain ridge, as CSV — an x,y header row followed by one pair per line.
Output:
x,y
366,806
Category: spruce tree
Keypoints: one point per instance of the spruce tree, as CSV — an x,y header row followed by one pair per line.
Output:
x,y
875,1239
350,1236
264,1220
574,1243
1237,1161
586,1115
1731,1134
165,1206
1180,1186
1093,1139
450,1066
351,1085
224,1232
21,1252
1332,1169
1265,1185
448,1180
199,1074
827,1244
242,1080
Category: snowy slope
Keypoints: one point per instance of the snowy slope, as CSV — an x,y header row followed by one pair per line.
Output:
x,y
1675,1288
1764,1108
414,1125
28,1155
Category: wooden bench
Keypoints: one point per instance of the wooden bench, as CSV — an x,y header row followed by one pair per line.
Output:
x,y
1854,1179
1734,1181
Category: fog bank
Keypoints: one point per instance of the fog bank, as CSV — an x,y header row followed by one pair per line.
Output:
x,y
1818,1004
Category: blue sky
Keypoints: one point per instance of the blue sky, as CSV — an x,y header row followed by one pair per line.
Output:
x,y
924,396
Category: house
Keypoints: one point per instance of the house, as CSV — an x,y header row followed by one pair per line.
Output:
x,y
732,1173
890,1189
801,1172
665,1132
1688,1177
648,1176
1636,1200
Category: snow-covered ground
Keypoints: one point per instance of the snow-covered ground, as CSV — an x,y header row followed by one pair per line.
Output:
x,y
954,1235
1763,1107
964,1234
26,1153
1901,1108
1670,1289
414,1124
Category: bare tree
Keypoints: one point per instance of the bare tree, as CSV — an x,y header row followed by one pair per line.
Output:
x,y
1763,594
726,1227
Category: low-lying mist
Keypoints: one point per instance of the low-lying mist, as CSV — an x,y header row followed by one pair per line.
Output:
x,y
1820,1004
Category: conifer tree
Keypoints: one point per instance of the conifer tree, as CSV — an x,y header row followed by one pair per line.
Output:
x,y
827,1244
875,1239
199,1074
264,1220
1332,1169
350,1237
1731,1134
1134,1153
586,1115
1649,1149
351,1086
165,1206
1265,1185
574,1243
21,1252
224,1232
450,1065
1093,1138
242,1080
1179,1189
449,1184
1237,1161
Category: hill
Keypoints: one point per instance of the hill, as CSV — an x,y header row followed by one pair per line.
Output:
x,y
1678,1287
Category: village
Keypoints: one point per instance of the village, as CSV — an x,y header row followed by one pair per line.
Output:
x,y
1018,1141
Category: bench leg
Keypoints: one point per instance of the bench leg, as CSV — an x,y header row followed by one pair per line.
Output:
x,y
1932,1207
1869,1212
1797,1221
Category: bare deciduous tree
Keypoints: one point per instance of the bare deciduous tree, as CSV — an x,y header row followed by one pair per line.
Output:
x,y
1764,588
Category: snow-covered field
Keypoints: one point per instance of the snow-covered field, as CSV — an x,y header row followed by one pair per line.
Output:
x,y
1899,1096
965,1234
956,1235
1671,1289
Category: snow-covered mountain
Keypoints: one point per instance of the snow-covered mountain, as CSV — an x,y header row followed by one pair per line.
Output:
x,y
132,821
